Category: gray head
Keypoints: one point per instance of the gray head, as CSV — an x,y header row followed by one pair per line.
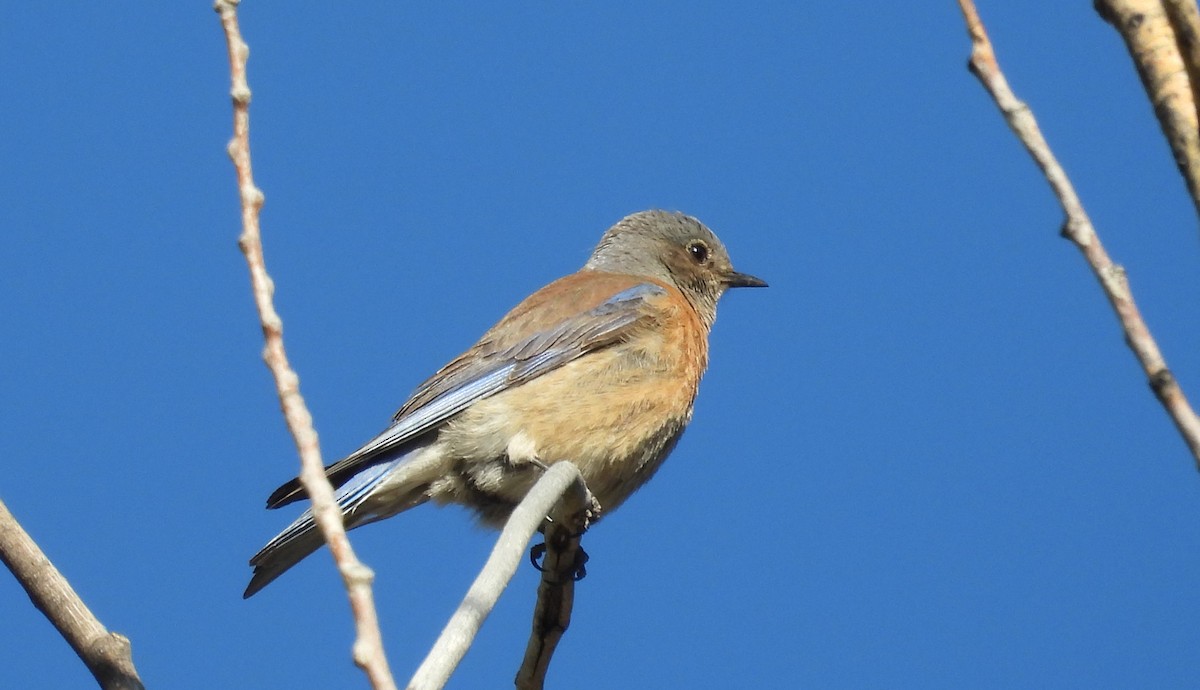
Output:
x,y
676,249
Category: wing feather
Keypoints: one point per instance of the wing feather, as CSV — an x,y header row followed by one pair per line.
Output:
x,y
487,369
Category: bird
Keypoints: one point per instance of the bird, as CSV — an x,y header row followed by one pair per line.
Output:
x,y
600,367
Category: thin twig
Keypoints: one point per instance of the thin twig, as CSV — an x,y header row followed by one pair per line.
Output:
x,y
1150,34
368,649
106,654
556,598
561,481
1078,228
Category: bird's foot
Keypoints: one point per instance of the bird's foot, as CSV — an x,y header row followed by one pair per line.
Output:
x,y
578,568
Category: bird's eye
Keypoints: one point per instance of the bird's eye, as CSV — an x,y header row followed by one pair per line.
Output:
x,y
698,251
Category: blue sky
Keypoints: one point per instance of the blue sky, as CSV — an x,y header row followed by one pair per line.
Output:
x,y
923,458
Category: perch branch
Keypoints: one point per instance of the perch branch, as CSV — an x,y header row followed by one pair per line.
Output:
x,y
561,481
556,597
368,649
1078,228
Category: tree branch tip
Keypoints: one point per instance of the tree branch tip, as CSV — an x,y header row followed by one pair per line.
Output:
x,y
222,6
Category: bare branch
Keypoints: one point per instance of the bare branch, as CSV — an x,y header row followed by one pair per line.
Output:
x,y
1078,228
368,645
106,654
556,597
1149,30
1185,20
563,481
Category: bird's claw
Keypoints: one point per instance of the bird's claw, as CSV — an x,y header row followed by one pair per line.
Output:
x,y
536,553
578,569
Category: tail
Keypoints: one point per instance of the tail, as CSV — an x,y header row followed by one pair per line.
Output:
x,y
407,479
287,549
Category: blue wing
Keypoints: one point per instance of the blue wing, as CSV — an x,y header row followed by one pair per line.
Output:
x,y
482,371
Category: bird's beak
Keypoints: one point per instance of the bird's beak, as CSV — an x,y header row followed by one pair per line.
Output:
x,y
734,280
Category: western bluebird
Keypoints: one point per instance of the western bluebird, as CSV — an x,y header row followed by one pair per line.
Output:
x,y
600,368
